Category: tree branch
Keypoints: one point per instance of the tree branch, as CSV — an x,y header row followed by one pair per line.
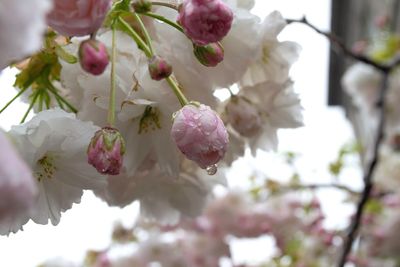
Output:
x,y
284,189
340,47
386,69
368,176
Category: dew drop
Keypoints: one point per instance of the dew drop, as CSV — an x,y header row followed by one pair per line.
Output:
x,y
211,170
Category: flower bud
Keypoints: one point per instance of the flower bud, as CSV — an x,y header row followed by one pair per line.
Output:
x,y
209,55
93,56
159,68
106,150
200,134
141,6
243,116
205,21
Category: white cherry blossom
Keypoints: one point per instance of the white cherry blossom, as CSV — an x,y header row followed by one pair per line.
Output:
x,y
54,145
274,57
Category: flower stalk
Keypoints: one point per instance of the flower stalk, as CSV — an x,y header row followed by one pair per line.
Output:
x,y
164,19
111,105
145,33
149,52
164,4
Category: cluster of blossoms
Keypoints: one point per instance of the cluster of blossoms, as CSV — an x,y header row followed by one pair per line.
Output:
x,y
294,224
123,96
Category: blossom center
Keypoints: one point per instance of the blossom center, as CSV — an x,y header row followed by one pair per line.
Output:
x,y
150,120
265,54
46,168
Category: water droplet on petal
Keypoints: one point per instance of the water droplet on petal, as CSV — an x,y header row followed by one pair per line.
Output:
x,y
211,170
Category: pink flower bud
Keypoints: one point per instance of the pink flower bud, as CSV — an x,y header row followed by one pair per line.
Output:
x,y
106,150
243,116
159,68
17,186
205,21
77,17
200,134
209,55
93,56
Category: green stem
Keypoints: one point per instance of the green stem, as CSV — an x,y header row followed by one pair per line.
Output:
x,y
174,86
135,36
60,104
35,96
172,6
41,100
13,99
165,20
111,105
146,33
48,104
53,90
149,53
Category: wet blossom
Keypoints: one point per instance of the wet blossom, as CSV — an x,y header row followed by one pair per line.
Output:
x,y
200,134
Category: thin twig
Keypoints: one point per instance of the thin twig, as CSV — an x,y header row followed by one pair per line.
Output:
x,y
322,186
340,46
386,69
368,176
165,4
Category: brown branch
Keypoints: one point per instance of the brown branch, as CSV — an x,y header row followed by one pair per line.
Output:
x,y
386,69
368,176
340,47
284,189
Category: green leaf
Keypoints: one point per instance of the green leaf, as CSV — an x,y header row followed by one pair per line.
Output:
x,y
293,247
121,7
374,206
336,167
390,47
64,55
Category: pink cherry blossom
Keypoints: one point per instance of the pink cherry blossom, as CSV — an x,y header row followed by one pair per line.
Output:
x,y
205,21
78,17
200,134
17,186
